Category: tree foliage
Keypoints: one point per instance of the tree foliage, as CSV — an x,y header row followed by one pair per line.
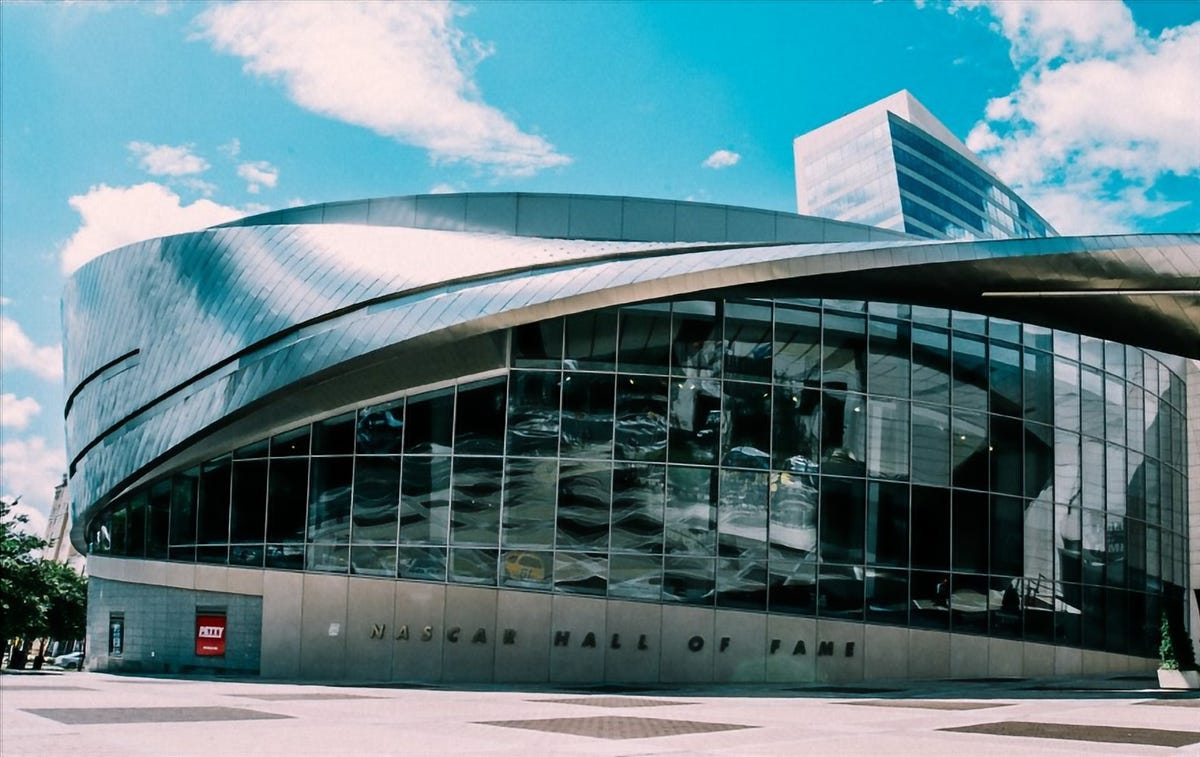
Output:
x,y
37,597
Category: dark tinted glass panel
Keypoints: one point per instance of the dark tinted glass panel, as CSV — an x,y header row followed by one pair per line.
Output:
x,y
1006,380
581,572
970,373
886,596
969,450
479,422
1006,453
216,554
746,431
970,603
930,365
695,420
327,558
381,428
591,341
1039,460
376,500
641,427
639,492
691,514
249,555
373,560
748,341
742,583
1092,396
472,566
930,444
887,431
584,494
527,570
930,595
118,527
538,345
843,433
429,421
291,443
183,506
931,528
421,563
888,365
249,511
645,339
797,346
287,500
285,556
424,500
1036,336
844,353
1007,536
796,428
1038,372
475,501
689,580
696,349
843,519
840,592
793,512
587,415
329,499
529,497
533,414
635,577
1009,331
742,514
970,529
158,519
792,581
135,535
1066,395
213,507
334,436
887,524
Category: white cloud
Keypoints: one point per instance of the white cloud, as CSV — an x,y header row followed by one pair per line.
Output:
x,y
231,148
30,468
5,301
17,350
1102,112
16,412
117,216
168,160
443,189
403,70
722,159
199,186
258,174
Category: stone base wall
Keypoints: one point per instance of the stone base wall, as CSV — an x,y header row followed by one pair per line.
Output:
x,y
309,626
159,629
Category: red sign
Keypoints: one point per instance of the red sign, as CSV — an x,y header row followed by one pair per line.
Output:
x,y
210,635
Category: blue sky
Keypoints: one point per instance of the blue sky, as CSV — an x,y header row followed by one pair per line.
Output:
x,y
122,121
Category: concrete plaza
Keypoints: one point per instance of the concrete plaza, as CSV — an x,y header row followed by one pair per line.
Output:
x,y
96,714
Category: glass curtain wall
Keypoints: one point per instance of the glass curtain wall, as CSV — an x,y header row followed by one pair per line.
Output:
x,y
858,461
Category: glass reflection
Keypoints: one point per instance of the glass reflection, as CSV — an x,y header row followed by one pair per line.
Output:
x,y
974,487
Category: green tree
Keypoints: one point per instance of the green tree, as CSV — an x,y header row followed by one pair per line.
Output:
x,y
37,597
22,599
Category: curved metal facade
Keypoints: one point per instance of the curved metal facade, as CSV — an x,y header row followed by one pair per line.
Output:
x,y
301,324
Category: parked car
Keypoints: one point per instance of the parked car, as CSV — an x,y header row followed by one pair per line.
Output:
x,y
70,661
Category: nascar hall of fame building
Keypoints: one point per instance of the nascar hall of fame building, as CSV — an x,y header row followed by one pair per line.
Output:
x,y
910,433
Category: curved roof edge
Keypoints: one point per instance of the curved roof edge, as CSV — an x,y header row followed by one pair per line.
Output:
x,y
576,216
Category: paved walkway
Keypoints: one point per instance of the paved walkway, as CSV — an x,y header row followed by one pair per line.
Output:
x,y
95,714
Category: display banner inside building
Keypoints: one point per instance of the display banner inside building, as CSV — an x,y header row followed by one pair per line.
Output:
x,y
210,635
